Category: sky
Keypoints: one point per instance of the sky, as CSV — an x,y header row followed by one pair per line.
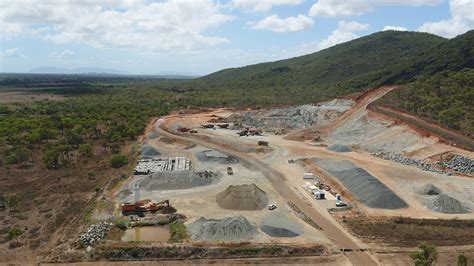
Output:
x,y
197,37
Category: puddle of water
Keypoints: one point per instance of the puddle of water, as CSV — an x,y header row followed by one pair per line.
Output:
x,y
146,233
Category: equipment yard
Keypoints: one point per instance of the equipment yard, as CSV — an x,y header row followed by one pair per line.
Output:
x,y
308,179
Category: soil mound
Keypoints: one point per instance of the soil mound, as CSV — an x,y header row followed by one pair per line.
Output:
x,y
247,197
149,152
215,156
446,204
429,189
339,148
179,180
227,229
365,187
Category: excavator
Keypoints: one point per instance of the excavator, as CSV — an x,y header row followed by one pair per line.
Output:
x,y
143,206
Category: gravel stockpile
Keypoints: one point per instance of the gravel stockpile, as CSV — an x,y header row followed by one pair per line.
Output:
x,y
279,225
302,116
149,152
277,231
215,156
397,157
446,204
429,189
339,148
178,180
153,136
247,197
95,233
227,229
460,164
365,187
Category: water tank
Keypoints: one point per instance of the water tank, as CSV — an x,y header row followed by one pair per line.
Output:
x,y
136,191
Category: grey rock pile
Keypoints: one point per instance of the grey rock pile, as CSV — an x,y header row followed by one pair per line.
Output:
x,y
302,116
365,187
429,189
227,229
460,164
446,204
95,233
397,157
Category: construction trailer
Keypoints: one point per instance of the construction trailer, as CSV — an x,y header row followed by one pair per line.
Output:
x,y
319,194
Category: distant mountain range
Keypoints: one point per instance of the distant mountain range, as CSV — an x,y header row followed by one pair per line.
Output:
x,y
78,70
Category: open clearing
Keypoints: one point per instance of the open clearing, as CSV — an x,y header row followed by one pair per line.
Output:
x,y
224,197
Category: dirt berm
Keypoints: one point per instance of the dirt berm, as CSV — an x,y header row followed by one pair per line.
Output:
x,y
365,187
248,197
227,229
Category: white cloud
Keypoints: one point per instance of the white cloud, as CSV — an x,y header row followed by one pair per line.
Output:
x,y
397,28
61,55
462,20
343,33
262,5
340,8
289,24
12,53
132,24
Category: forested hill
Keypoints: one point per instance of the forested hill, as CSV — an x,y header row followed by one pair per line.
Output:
x,y
381,58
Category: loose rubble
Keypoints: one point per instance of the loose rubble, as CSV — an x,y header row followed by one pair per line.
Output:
x,y
302,116
460,164
446,204
227,229
95,233
397,157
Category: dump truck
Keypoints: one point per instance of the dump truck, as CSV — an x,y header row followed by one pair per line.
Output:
x,y
230,171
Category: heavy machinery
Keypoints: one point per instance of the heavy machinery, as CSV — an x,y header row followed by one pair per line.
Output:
x,y
223,126
262,143
207,126
183,129
143,206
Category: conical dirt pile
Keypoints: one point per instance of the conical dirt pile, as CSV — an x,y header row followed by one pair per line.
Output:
x,y
247,197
